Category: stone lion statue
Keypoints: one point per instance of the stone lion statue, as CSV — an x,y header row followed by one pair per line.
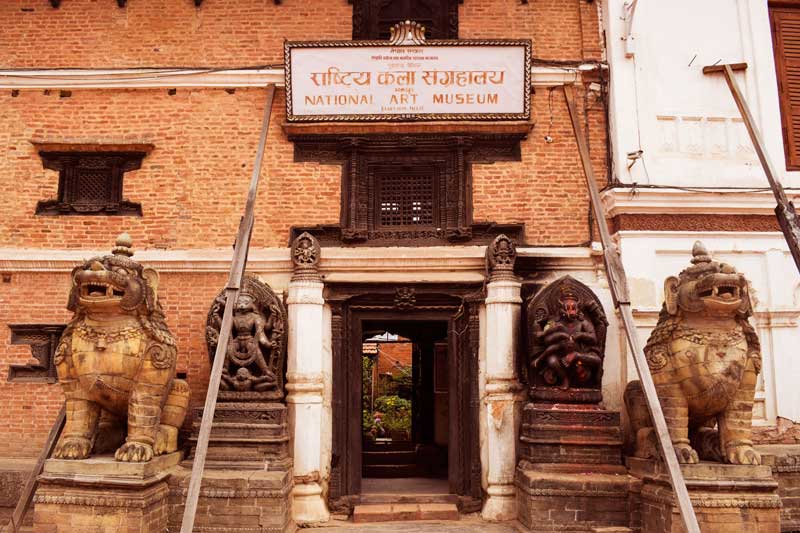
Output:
x,y
704,357
116,363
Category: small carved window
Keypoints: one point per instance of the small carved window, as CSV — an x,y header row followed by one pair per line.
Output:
x,y
406,199
373,18
90,179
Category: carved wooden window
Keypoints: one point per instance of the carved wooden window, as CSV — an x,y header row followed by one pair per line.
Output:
x,y
411,188
43,339
90,182
373,18
785,21
405,196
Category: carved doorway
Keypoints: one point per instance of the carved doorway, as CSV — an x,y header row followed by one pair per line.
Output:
x,y
433,321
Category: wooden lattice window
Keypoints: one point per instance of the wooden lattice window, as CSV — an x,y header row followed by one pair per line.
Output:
x,y
785,19
373,18
90,179
405,197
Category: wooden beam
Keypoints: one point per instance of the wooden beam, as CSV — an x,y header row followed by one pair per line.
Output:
x,y
619,290
33,479
784,210
238,264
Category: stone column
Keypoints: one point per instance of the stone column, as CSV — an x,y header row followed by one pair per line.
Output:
x,y
305,380
503,304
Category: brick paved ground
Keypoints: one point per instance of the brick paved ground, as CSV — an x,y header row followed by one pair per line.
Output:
x,y
467,524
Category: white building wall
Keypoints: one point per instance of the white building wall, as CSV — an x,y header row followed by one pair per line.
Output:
x,y
697,158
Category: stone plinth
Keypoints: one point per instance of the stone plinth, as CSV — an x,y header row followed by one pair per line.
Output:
x,y
571,476
725,497
566,433
234,501
784,459
103,495
248,475
245,435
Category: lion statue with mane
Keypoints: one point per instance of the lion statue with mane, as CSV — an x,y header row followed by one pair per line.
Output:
x,y
116,363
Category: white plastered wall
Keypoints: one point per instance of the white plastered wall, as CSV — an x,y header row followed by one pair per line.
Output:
x,y
692,136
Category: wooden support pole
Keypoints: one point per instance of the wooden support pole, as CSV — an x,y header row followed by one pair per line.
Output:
x,y
619,290
784,210
238,264
33,479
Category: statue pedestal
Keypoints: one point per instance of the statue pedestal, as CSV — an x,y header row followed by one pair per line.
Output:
x,y
725,497
571,476
248,474
100,494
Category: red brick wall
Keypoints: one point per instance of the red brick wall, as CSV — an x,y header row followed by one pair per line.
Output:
x,y
192,185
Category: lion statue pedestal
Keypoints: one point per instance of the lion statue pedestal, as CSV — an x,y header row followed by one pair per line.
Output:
x,y
116,364
704,357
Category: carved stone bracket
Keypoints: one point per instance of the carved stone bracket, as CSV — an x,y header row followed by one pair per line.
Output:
x,y
43,339
501,255
305,257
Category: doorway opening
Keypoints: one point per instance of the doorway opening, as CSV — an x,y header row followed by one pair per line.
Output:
x,y
404,405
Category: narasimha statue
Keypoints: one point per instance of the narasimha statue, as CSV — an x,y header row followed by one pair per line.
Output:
x,y
566,343
116,363
704,357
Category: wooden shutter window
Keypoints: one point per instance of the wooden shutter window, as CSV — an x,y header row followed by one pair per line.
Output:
x,y
786,39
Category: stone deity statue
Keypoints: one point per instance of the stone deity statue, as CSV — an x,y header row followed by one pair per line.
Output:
x,y
566,340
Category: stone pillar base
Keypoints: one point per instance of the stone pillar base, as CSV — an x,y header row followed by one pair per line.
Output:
x,y
103,495
725,497
308,507
235,500
500,504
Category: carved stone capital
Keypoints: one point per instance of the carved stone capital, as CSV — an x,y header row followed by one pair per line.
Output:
x,y
501,255
305,257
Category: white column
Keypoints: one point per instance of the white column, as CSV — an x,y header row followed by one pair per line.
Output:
x,y
304,399
305,387
503,305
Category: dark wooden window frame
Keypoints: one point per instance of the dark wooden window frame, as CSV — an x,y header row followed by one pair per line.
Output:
x,y
42,339
74,162
791,150
367,23
449,156
457,304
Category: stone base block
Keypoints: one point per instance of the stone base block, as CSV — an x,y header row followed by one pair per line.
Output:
x,y
784,459
250,436
726,498
550,499
101,495
236,501
576,434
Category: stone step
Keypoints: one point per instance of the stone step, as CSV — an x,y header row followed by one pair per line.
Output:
x,y
389,458
390,471
379,498
404,511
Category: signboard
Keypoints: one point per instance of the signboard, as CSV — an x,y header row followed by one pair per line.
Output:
x,y
437,80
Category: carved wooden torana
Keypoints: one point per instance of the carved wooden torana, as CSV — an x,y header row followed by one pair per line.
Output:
x,y
116,363
256,352
704,357
566,343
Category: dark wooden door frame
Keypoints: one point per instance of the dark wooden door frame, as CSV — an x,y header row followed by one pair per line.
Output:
x,y
458,305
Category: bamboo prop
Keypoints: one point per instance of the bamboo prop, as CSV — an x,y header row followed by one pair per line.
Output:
x,y
238,264
618,283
